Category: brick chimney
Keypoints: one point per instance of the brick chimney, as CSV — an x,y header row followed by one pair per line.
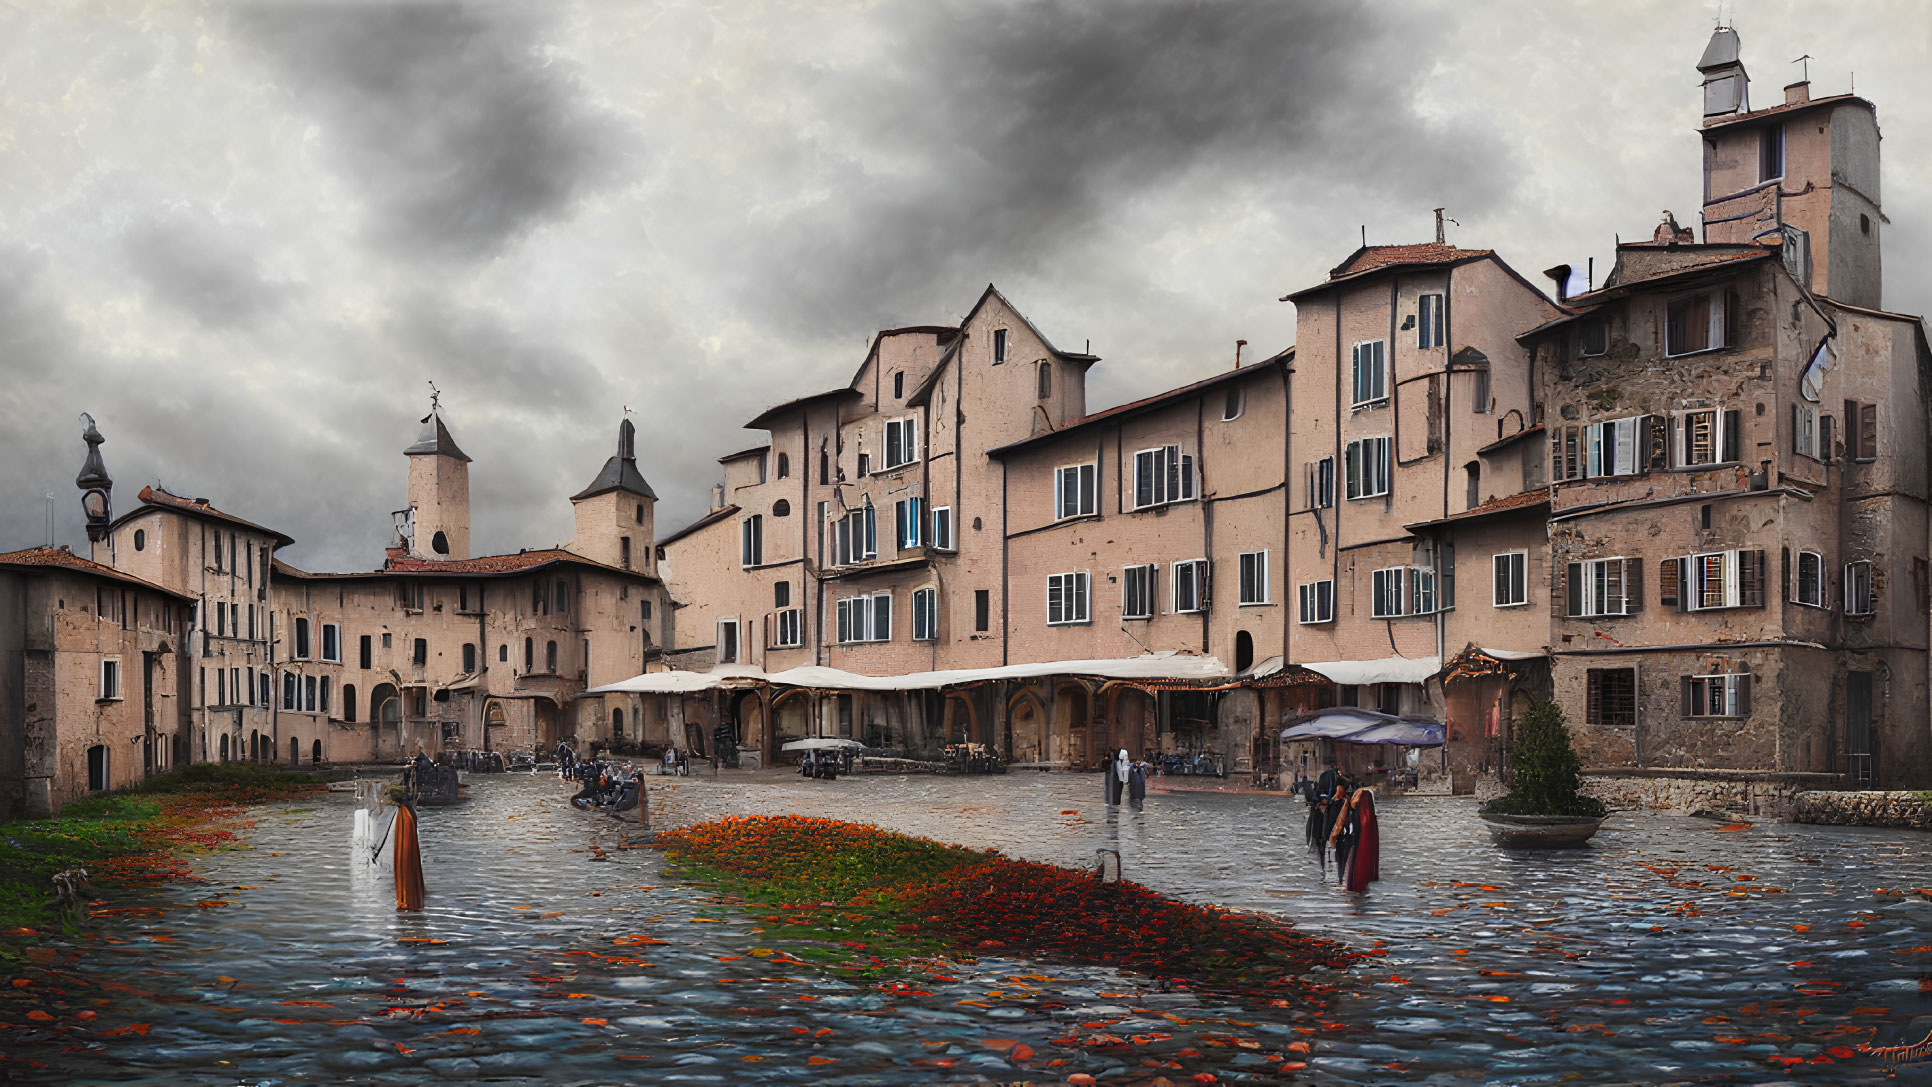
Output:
x,y
1797,92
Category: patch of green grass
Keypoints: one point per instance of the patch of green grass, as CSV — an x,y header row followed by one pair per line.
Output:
x,y
218,776
86,834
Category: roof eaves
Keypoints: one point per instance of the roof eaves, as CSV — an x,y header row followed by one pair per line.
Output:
x,y
1132,408
708,519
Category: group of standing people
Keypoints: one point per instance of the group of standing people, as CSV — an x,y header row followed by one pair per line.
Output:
x,y
1341,819
1125,777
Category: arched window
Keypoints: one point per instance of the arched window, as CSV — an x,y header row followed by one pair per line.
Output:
x,y
301,639
439,543
529,654
617,724
348,702
97,776
315,753
784,465
639,515
224,747
550,658
140,539
294,751
1243,651
781,508
469,658
254,747
503,652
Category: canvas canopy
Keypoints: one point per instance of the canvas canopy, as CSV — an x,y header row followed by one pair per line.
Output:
x,y
1166,665
822,743
1386,670
1352,725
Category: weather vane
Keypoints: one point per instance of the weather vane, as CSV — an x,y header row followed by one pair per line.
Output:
x,y
435,394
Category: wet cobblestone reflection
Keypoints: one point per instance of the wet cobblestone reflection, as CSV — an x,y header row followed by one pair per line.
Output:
x,y
1672,950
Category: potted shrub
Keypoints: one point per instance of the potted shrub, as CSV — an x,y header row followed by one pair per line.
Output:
x,y
1545,807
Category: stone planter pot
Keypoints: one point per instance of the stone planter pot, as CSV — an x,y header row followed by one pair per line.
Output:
x,y
1541,831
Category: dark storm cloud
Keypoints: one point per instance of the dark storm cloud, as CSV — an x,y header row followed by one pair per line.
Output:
x,y
1016,129
518,373
446,117
191,263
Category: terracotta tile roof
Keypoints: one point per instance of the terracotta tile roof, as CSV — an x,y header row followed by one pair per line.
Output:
x,y
1369,258
1785,107
400,562
60,558
1283,358
155,496
1525,500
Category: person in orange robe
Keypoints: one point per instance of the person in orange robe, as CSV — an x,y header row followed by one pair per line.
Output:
x,y
409,860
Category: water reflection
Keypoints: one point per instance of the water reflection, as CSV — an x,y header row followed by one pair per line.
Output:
x,y
1672,950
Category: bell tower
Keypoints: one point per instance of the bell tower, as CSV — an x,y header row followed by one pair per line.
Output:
x,y
615,513
438,519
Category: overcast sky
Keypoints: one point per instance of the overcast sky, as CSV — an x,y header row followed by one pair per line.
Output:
x,y
244,236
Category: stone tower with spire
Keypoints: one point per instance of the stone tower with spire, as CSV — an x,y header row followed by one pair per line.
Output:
x,y
614,513
438,522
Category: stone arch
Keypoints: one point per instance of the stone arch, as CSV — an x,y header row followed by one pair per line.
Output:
x,y
1025,725
1072,729
961,718
315,753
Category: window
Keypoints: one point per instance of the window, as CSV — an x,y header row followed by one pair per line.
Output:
x,y
982,609
349,702
856,536
942,528
1231,407
999,346
1137,591
1861,430
901,443
898,387
218,551
1254,577
365,654
419,653
781,594
1371,373
140,539
1073,491
110,678
1046,379
1708,437
1319,483
266,692
727,642
1610,448
1610,697
1592,336
624,552
1428,331
781,508
1804,431
1770,152
98,761
1387,589
529,655
1163,475
221,620
824,465
1067,599
1714,579
1695,324
1605,587
331,642
1366,464
1479,391
550,657
1190,585
563,597
789,629
1859,597
865,618
409,595
638,514
1810,589
1317,602
1511,571
1422,590
503,652
1717,696
302,639
907,520
751,540
1472,485
322,702
469,658
291,691
925,615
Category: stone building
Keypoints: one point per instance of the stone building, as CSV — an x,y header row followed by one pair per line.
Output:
x,y
95,675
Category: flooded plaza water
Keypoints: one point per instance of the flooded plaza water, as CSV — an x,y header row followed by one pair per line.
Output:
x,y
1671,950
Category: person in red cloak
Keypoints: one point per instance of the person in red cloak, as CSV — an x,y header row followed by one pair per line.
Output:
x,y
1357,842
408,860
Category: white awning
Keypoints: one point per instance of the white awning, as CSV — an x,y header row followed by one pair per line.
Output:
x,y
729,675
1386,670
1168,665
1512,654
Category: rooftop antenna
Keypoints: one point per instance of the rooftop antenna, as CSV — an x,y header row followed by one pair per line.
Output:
x,y
1804,60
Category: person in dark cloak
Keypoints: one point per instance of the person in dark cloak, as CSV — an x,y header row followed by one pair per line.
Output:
x,y
1109,787
1358,842
1137,782
1324,810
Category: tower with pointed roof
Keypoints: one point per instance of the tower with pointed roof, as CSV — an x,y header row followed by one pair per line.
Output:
x,y
614,513
439,492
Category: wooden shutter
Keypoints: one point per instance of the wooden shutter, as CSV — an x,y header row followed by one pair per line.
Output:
x,y
1744,695
1851,428
1668,583
1825,451
1633,585
1573,578
1593,697
1733,423
1750,573
1684,696
1868,432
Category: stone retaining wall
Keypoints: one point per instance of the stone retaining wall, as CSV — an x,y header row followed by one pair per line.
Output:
x,y
1764,797
1865,809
